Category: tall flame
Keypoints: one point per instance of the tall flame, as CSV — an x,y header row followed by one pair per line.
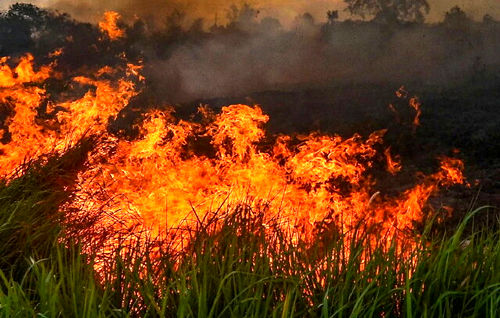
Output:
x,y
30,136
109,25
165,184
177,172
393,163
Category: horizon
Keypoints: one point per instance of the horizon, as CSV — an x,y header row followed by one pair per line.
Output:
x,y
92,10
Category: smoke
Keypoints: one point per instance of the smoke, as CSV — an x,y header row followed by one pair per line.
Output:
x,y
267,56
284,10
212,11
250,51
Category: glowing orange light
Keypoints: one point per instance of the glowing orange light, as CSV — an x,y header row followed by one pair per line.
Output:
x,y
109,25
163,180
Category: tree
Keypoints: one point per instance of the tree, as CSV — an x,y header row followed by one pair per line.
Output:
x,y
456,18
17,26
489,20
390,11
243,18
332,15
27,28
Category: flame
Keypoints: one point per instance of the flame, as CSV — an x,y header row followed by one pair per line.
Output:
x,y
177,172
22,73
451,171
162,183
22,91
109,25
415,104
56,52
401,92
393,164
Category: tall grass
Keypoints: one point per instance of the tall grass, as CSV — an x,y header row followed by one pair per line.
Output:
x,y
30,221
233,267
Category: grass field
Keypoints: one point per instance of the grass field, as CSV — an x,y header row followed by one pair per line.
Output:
x,y
142,92
232,267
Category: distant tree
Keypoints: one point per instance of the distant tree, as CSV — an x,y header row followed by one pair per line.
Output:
x,y
17,26
390,11
305,19
305,26
328,28
270,25
167,38
174,21
489,20
332,16
456,18
242,18
25,27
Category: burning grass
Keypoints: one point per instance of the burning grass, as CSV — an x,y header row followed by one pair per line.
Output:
x,y
215,217
232,267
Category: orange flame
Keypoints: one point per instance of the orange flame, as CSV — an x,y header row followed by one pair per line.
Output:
x,y
30,136
413,103
393,164
23,73
416,105
177,172
109,25
168,185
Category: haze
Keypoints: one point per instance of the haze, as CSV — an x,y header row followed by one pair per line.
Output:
x,y
285,11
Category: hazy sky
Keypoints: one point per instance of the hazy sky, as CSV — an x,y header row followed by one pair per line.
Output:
x,y
286,10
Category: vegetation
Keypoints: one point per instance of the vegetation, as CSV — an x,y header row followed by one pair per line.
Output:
x,y
249,52
224,272
232,264
390,11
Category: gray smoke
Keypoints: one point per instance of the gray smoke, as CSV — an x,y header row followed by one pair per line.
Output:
x,y
188,59
266,56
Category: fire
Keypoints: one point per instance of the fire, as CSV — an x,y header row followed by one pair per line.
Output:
x,y
168,184
23,73
176,172
393,163
109,25
415,104
22,91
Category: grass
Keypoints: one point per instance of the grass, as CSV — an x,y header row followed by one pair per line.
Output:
x,y
232,267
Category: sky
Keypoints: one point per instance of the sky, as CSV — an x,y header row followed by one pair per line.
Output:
x,y
285,10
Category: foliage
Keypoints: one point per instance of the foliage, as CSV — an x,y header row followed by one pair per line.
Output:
x,y
30,221
456,18
390,11
224,271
